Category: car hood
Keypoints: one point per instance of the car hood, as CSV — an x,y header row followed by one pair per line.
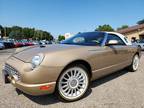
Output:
x,y
26,54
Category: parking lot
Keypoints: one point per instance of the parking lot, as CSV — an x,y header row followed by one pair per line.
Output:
x,y
122,89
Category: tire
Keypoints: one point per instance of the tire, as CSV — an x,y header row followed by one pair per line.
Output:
x,y
135,63
73,83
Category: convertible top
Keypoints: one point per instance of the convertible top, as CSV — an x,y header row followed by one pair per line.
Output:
x,y
127,42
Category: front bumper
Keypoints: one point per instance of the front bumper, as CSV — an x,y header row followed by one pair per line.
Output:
x,y
32,89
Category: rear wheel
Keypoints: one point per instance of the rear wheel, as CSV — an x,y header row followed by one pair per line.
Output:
x,y
73,83
135,63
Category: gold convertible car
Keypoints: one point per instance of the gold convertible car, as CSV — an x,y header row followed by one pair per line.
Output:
x,y
67,68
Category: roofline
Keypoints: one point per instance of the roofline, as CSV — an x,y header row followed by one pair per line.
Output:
x,y
130,29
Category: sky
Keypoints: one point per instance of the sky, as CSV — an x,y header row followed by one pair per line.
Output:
x,y
70,16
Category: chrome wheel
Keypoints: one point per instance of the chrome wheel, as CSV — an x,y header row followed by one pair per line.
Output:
x,y
135,62
73,83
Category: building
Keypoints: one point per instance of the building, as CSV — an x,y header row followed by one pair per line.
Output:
x,y
133,32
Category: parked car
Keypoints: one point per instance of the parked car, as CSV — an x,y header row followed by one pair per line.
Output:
x,y
35,43
18,43
68,68
27,43
42,42
8,44
2,45
49,42
30,43
140,44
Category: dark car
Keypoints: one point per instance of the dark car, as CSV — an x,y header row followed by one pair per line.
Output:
x,y
1,46
7,44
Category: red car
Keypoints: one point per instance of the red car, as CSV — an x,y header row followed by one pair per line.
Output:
x,y
18,44
28,43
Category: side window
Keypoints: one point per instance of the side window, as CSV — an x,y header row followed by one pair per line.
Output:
x,y
115,37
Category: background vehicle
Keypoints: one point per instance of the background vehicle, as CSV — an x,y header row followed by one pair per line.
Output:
x,y
44,42
18,43
2,45
8,44
35,43
140,44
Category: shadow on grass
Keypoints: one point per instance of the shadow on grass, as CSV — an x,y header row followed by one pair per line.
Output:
x,y
52,98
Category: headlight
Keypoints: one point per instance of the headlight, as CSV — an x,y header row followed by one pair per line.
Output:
x,y
36,60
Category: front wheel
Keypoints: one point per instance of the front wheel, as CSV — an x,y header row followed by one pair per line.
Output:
x,y
73,83
135,63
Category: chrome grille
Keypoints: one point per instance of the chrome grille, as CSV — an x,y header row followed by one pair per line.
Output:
x,y
12,71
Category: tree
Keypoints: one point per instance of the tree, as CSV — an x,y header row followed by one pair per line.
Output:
x,y
2,31
28,32
104,27
16,33
1,27
140,22
61,37
47,36
8,30
122,27
38,35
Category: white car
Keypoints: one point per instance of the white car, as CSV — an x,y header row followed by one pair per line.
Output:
x,y
140,44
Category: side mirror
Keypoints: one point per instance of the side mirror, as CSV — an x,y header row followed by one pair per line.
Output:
x,y
112,42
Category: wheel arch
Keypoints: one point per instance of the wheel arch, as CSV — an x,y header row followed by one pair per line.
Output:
x,y
75,62
79,61
138,53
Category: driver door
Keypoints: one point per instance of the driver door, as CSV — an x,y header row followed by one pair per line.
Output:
x,y
113,57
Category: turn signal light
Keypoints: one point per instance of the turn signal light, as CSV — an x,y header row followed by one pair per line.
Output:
x,y
45,87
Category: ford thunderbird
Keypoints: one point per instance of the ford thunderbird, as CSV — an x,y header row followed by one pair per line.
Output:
x,y
68,68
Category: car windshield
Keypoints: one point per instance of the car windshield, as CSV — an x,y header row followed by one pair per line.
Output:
x,y
90,39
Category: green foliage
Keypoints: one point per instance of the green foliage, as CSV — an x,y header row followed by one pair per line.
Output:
x,y
17,32
122,27
104,27
2,31
1,27
8,30
28,32
140,22
61,37
42,35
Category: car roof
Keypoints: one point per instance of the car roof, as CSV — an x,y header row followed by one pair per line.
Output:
x,y
126,41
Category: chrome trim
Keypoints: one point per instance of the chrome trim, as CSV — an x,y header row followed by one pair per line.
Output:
x,y
12,72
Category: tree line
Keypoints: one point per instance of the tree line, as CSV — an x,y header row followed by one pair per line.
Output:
x,y
16,32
